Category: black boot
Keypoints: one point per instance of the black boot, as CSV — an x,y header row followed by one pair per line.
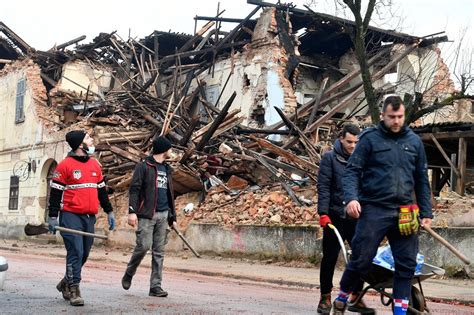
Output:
x,y
126,281
75,299
63,287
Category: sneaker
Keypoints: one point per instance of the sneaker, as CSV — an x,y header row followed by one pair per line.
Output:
x,y
126,281
338,307
324,306
361,308
158,292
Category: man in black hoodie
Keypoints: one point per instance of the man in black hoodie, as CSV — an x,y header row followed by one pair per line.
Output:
x,y
151,210
331,211
79,186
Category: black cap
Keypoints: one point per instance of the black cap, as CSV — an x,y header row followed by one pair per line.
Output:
x,y
161,145
74,138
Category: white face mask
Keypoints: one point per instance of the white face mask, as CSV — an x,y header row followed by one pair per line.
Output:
x,y
90,150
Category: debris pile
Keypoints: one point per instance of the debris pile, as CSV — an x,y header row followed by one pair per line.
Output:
x,y
126,92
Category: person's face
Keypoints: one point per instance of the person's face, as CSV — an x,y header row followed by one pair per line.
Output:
x,y
349,142
88,141
392,119
168,155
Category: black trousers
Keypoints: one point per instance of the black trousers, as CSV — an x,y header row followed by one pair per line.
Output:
x,y
331,249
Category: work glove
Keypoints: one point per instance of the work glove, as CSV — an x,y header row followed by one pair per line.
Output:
x,y
52,224
111,219
407,220
324,220
415,222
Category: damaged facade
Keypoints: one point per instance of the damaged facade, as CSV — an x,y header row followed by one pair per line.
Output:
x,y
289,76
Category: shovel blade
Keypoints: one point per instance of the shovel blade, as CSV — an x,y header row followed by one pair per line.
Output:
x,y
31,229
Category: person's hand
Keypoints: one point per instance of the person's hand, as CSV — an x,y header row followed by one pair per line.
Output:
x,y
132,219
426,222
52,224
353,209
175,225
111,219
324,220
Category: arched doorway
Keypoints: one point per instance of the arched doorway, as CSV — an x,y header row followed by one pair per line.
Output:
x,y
46,175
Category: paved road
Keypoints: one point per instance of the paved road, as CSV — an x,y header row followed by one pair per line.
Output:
x,y
31,279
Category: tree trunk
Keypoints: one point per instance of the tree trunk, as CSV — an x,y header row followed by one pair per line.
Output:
x,y
366,79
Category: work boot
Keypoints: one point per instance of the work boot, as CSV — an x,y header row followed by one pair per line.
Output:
x,y
126,281
63,287
75,299
324,306
338,307
360,307
158,292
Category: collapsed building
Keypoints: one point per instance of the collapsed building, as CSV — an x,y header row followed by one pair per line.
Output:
x,y
250,110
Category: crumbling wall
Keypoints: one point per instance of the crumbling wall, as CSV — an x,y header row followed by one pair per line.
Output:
x,y
28,131
78,76
258,75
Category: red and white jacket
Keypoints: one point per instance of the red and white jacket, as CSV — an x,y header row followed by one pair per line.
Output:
x,y
79,184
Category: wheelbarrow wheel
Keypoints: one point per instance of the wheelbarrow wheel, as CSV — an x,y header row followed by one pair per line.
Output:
x,y
417,300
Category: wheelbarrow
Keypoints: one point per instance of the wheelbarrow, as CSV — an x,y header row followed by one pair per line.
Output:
x,y
380,278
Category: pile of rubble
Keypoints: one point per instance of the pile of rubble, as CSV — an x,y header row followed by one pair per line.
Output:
x,y
135,90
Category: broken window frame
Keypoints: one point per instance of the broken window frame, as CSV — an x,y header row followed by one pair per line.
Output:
x,y
19,101
14,193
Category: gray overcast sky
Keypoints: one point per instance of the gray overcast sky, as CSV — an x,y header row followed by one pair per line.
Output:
x,y
45,23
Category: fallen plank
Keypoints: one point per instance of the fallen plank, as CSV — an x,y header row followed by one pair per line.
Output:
x,y
286,154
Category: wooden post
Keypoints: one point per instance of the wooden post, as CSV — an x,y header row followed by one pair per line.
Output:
x,y
462,155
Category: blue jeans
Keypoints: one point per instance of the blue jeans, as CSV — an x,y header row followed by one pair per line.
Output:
x,y
151,234
77,246
374,224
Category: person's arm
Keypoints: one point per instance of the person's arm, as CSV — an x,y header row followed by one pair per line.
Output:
x,y
172,212
354,169
103,195
57,187
324,184
135,187
422,185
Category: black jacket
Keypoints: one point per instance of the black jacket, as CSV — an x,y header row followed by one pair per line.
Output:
x,y
143,190
386,168
330,193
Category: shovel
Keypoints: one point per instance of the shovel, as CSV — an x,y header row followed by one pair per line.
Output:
x,y
440,239
185,241
31,230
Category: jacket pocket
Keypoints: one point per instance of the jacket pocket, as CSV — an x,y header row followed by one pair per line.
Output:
x,y
381,153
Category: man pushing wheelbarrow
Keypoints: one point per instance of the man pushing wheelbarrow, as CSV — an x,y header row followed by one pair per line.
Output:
x,y
387,166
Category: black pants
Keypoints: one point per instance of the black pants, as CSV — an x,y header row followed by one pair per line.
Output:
x,y
331,249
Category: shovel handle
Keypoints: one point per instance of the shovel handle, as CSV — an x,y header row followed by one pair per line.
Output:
x,y
66,230
448,245
185,242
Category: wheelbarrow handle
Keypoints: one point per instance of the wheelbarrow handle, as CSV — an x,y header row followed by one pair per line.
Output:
x,y
448,245
341,242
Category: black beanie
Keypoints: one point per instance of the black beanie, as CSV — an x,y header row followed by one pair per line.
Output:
x,y
74,138
161,145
